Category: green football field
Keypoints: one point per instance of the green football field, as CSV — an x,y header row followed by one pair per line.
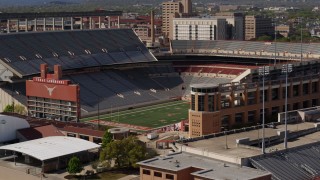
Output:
x,y
150,116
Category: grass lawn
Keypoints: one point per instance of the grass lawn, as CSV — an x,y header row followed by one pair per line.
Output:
x,y
151,116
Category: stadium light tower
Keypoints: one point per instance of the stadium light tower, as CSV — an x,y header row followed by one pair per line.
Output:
x,y
275,41
300,39
263,71
286,68
99,112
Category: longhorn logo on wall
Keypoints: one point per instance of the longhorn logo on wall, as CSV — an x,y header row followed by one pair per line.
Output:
x,y
50,90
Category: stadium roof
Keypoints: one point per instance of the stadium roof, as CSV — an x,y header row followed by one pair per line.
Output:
x,y
51,147
59,14
22,53
296,163
248,49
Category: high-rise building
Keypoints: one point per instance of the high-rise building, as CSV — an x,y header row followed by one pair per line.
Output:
x,y
199,29
235,25
174,9
256,26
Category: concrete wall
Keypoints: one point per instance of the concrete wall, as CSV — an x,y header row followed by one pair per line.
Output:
x,y
229,159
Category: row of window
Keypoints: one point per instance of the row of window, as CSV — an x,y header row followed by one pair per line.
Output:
x,y
157,174
274,110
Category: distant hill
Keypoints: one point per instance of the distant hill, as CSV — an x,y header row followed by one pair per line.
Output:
x,y
36,2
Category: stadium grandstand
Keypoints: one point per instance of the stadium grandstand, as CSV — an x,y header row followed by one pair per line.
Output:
x,y
295,163
94,72
112,68
247,49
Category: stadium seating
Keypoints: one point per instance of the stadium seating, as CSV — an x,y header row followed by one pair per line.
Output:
x,y
80,49
297,163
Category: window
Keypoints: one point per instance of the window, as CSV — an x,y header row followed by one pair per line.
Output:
x,y
147,172
84,137
97,140
193,105
169,176
157,174
200,103
71,135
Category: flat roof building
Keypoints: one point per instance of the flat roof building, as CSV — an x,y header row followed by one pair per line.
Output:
x,y
256,26
174,9
53,152
181,166
199,29
235,25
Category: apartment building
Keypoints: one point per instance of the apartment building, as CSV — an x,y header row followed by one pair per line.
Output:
x,y
174,9
199,29
256,26
236,104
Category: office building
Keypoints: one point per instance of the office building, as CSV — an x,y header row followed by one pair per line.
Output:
x,y
199,29
256,26
174,9
235,25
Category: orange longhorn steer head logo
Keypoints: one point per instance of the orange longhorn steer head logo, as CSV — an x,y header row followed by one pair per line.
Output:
x,y
50,90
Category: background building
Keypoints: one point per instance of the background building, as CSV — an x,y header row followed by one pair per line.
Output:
x,y
199,29
174,9
256,26
235,25
228,8
284,30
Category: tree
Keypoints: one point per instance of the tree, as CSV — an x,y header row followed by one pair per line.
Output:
x,y
106,139
19,109
265,38
8,108
74,165
126,152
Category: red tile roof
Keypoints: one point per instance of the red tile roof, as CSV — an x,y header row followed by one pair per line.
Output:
x,y
39,132
83,131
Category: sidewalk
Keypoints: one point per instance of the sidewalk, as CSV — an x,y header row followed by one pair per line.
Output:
x,y
11,174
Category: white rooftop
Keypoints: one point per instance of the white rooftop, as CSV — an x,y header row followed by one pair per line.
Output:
x,y
207,168
51,147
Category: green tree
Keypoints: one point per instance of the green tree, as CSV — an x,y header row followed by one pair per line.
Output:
x,y
8,108
126,152
74,165
265,38
19,109
106,139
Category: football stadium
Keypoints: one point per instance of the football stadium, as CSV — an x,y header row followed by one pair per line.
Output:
x,y
109,77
